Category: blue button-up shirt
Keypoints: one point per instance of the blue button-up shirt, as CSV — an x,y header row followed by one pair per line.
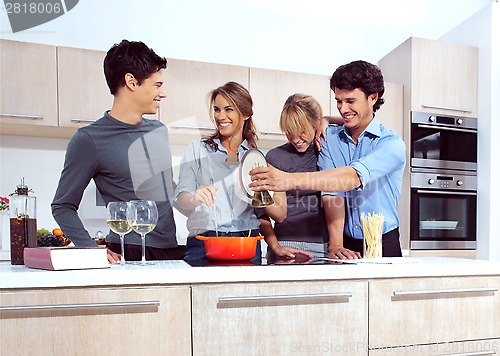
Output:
x,y
379,159
199,166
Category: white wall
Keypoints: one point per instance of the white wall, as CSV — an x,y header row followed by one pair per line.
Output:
x,y
476,32
311,37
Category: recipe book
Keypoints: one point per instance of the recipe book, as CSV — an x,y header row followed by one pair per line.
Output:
x,y
65,258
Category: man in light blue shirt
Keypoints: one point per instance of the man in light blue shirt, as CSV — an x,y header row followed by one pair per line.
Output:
x,y
361,161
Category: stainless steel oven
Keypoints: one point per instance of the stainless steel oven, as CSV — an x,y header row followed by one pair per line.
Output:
x,y
443,142
442,209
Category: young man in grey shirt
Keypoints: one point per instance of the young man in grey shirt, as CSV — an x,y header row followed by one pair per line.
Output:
x,y
126,155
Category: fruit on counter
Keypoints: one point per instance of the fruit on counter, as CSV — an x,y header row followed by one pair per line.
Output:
x,y
50,240
42,232
57,232
55,238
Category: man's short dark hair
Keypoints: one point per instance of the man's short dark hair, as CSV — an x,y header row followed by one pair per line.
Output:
x,y
360,74
130,57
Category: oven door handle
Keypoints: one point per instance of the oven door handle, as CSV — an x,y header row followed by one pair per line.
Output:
x,y
434,127
445,193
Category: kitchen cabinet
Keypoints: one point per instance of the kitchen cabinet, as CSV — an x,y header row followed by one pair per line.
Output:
x,y
83,92
391,113
280,318
186,109
50,91
470,254
64,88
439,77
271,88
444,306
93,321
428,311
28,85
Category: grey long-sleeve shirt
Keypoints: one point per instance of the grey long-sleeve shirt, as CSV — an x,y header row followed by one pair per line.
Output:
x,y
126,162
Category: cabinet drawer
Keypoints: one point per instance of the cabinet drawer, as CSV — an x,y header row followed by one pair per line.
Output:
x,y
135,321
487,347
280,318
433,310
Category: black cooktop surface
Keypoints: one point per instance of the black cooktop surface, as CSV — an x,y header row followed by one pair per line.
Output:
x,y
299,260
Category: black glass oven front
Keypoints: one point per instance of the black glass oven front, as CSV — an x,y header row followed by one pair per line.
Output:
x,y
443,142
442,219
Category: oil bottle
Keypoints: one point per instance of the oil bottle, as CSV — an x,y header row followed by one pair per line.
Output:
x,y
22,223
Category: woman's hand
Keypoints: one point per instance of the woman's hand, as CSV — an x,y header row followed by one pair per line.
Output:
x,y
285,252
205,194
291,255
322,125
320,131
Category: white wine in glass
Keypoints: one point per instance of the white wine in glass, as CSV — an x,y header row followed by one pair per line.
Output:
x,y
116,218
142,216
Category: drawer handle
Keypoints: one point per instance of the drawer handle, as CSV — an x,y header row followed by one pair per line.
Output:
x,y
479,353
292,298
192,127
21,116
81,306
445,193
445,108
443,292
272,133
82,120
444,128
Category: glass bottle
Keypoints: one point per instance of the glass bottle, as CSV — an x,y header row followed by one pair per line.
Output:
x,y
22,223
262,198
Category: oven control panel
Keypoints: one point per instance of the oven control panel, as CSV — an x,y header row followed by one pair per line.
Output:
x,y
444,121
443,181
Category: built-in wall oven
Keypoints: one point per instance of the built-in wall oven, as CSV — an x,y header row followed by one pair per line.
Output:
x,y
443,182
443,142
442,210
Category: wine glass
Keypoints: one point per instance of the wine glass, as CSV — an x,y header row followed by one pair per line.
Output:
x,y
116,218
142,216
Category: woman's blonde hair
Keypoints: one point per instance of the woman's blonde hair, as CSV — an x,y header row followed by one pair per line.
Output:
x,y
299,114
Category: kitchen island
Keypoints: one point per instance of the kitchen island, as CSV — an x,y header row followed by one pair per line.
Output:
x,y
425,306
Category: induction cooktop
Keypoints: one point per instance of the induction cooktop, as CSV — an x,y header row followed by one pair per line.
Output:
x,y
299,260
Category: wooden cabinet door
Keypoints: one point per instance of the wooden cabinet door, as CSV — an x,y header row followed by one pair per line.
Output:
x,y
187,85
83,92
444,78
433,310
280,318
271,88
391,113
135,321
28,83
439,77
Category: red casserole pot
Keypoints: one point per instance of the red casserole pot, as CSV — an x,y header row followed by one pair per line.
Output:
x,y
230,247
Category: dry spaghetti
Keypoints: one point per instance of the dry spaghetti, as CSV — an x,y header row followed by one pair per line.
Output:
x,y
372,231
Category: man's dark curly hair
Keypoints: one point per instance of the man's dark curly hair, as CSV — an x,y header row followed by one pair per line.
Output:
x,y
130,57
360,74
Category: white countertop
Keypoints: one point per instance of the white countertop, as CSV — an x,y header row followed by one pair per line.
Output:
x,y
179,272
